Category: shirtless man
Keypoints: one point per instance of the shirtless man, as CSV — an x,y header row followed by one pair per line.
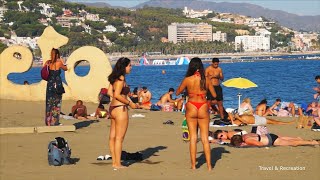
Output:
x,y
273,110
145,98
167,98
214,74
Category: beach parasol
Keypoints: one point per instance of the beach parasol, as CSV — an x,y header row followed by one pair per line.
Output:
x,y
240,83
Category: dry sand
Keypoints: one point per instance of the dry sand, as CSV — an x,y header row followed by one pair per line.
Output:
x,y
24,156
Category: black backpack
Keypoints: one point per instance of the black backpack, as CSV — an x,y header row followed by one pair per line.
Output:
x,y
104,98
59,152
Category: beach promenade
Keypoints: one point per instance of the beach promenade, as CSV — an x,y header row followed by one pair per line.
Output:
x,y
114,57
166,156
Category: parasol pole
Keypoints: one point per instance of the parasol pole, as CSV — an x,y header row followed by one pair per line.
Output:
x,y
239,95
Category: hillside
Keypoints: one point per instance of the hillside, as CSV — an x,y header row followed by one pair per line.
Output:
x,y
308,23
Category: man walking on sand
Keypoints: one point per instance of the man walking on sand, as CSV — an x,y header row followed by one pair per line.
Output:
x,y
214,74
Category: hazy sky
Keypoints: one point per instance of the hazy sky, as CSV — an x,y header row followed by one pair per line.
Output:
x,y
300,7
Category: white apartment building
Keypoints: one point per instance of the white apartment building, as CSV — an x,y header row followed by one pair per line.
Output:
x,y
187,32
92,17
127,25
2,11
195,14
219,36
66,21
110,28
23,41
46,9
259,42
252,43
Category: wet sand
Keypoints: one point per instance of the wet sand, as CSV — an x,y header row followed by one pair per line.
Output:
x,y
166,156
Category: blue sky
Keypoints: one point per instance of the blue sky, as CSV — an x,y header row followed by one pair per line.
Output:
x,y
300,7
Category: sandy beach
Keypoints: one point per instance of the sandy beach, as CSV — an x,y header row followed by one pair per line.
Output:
x,y
166,156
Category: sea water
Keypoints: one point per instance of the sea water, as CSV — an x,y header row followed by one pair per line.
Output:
x,y
290,80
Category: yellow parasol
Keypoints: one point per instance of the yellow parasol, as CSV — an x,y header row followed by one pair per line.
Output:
x,y
240,83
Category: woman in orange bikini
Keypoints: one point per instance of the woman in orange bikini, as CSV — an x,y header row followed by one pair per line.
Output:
x,y
197,108
118,110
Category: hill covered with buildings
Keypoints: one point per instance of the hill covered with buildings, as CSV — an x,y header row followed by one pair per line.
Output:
x,y
146,29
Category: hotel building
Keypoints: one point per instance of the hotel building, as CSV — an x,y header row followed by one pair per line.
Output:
x,y
187,32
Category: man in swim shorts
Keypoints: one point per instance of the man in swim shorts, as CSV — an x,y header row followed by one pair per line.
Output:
x,y
145,98
214,74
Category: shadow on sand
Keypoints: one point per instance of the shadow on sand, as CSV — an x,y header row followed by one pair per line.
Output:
x,y
147,153
216,154
83,124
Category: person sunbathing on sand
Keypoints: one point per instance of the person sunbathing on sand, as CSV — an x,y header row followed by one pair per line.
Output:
x,y
254,119
224,136
252,139
101,112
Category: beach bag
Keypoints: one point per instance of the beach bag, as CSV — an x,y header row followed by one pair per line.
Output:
x,y
59,152
167,107
154,107
104,98
185,131
45,72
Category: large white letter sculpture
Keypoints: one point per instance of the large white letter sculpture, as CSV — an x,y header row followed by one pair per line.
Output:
x,y
85,88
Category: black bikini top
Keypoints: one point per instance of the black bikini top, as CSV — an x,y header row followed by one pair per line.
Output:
x,y
125,90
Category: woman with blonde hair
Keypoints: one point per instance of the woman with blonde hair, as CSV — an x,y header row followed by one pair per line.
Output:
x,y
245,107
197,109
54,88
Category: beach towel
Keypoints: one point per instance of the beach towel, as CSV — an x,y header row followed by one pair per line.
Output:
x,y
211,124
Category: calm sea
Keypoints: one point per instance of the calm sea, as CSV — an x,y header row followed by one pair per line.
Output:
x,y
290,80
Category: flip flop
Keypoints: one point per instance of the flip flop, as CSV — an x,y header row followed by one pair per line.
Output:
x,y
100,158
169,122
106,157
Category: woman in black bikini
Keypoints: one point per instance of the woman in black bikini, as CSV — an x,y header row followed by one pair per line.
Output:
x,y
119,108
268,140
197,108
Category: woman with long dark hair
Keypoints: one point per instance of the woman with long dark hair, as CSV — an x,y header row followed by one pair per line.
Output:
x,y
53,96
197,114
118,110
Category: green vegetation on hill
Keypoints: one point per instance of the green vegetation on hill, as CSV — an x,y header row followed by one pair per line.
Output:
x,y
149,25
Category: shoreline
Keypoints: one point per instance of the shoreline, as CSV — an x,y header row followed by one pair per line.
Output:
x,y
234,57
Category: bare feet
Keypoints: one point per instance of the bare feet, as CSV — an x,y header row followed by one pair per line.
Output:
x,y
314,142
119,167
